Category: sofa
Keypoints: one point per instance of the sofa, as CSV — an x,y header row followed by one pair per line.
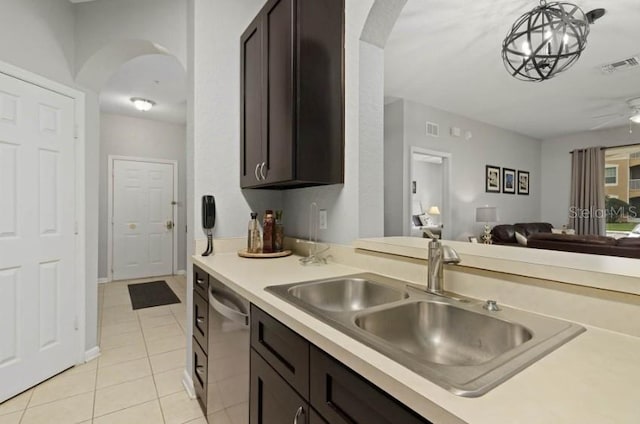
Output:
x,y
625,247
505,234
539,235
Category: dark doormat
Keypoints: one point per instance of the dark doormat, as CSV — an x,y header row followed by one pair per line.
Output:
x,y
155,293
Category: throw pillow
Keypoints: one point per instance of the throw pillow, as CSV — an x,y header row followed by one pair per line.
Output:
x,y
425,220
522,240
563,231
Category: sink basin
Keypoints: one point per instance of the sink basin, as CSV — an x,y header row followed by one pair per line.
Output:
x,y
452,342
443,334
346,294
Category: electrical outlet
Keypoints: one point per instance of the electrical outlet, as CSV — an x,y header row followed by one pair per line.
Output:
x,y
322,219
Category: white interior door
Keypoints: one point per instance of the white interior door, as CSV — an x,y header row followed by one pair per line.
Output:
x,y
142,219
38,334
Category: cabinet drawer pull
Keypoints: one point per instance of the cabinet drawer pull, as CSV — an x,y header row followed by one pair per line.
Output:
x,y
200,320
200,282
200,370
264,177
299,412
256,172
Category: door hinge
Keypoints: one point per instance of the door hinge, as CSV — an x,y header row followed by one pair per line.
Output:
x,y
75,227
75,132
75,323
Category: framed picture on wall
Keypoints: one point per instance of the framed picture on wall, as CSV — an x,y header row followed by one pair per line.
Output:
x,y
523,182
492,179
508,181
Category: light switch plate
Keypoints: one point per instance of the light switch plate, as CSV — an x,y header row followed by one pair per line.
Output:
x,y
322,219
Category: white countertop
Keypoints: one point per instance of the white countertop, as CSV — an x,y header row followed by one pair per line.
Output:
x,y
594,378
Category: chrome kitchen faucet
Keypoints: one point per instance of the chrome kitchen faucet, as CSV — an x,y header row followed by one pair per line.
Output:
x,y
438,256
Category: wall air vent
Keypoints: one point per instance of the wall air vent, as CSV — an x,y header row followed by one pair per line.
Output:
x,y
621,65
433,129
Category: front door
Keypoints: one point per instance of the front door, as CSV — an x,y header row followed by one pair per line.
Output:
x,y
142,219
38,334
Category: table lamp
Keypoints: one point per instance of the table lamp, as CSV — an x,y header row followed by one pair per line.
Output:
x,y
486,214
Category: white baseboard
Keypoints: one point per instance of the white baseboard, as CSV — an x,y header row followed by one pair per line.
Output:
x,y
92,353
187,382
103,280
181,272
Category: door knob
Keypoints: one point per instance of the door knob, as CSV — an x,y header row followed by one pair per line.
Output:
x,y
169,225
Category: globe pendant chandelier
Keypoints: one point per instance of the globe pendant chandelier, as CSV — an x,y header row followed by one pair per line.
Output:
x,y
546,41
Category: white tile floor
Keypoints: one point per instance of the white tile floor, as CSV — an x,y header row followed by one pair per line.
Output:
x,y
137,379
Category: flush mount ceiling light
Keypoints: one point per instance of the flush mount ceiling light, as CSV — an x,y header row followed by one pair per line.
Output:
x,y
547,40
141,104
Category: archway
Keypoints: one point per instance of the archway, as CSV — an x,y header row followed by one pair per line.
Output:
x,y
147,133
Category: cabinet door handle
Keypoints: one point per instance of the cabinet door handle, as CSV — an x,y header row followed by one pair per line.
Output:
x,y
256,172
200,282
200,320
264,177
200,370
299,412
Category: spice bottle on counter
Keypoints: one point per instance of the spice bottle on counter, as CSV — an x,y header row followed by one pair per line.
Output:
x,y
254,241
278,235
268,226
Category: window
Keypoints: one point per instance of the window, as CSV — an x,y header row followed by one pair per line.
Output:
x,y
611,175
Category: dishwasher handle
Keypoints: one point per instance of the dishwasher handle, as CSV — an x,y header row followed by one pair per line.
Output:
x,y
227,312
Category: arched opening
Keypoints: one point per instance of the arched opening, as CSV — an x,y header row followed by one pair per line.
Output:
x,y
130,141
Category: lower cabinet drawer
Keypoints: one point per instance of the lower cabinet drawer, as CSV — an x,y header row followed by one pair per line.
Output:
x,y
200,374
343,397
285,350
201,321
272,400
200,281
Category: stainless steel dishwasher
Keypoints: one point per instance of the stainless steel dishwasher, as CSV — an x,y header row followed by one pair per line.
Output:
x,y
227,367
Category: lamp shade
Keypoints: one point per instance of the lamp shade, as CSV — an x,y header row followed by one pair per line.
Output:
x,y
486,214
433,210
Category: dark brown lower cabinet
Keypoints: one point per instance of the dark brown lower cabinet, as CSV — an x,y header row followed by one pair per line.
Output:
x,y
272,400
344,397
315,418
296,380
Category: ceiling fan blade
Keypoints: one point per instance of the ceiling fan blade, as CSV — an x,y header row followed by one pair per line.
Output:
x,y
608,115
607,122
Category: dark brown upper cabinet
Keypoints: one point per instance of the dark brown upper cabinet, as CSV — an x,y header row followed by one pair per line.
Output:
x,y
292,95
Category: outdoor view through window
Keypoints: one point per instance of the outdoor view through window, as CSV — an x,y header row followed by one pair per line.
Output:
x,y
622,190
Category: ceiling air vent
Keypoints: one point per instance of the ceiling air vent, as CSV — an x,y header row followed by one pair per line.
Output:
x,y
433,129
621,65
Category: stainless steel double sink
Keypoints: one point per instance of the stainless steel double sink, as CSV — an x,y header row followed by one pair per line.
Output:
x,y
453,342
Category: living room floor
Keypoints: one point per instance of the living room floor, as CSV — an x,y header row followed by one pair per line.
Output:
x,y
136,379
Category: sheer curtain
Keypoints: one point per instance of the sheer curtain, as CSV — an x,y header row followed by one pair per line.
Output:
x,y
587,213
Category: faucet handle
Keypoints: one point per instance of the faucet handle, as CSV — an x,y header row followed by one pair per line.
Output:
x,y
491,305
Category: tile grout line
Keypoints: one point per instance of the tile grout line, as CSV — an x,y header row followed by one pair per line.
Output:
x,y
24,411
153,378
95,388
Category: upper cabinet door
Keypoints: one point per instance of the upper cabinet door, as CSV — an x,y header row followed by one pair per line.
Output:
x,y
295,117
251,104
279,89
